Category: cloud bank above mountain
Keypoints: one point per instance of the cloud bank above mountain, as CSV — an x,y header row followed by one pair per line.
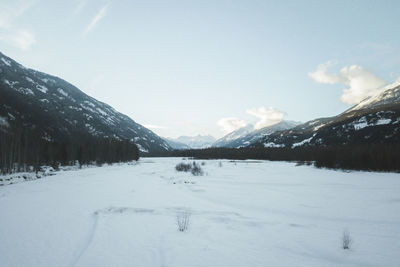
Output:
x,y
359,83
266,117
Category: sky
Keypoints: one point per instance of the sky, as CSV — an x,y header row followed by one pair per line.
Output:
x,y
210,67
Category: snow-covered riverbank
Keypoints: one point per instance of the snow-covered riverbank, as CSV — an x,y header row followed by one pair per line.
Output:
x,y
254,213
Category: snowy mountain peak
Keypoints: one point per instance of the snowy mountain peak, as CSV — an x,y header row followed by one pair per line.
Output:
x,y
238,133
246,136
198,141
390,94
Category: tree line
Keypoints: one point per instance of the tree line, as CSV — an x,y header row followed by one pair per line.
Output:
x,y
369,157
27,150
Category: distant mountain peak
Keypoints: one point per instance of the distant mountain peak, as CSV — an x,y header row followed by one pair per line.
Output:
x,y
198,141
247,135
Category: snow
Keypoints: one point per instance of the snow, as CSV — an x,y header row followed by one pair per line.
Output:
x,y
386,93
4,122
272,144
305,141
25,176
88,117
46,80
362,123
383,121
42,88
75,108
10,83
12,117
164,145
241,132
90,103
22,90
141,148
29,79
92,130
25,91
316,128
110,121
313,122
5,61
245,213
47,137
88,108
102,112
61,91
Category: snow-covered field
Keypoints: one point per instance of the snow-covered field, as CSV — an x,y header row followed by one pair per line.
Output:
x,y
245,213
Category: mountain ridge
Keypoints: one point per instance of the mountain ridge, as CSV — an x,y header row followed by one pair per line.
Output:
x,y
247,135
198,141
63,111
375,120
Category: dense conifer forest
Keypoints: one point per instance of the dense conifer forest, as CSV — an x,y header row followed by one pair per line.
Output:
x,y
27,150
371,157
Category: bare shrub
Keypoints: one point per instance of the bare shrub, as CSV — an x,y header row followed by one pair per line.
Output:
x,y
183,167
182,220
197,170
346,240
194,168
203,163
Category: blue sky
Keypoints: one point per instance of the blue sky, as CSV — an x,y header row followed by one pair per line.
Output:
x,y
208,67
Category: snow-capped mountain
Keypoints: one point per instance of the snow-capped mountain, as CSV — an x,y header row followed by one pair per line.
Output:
x,y
176,145
198,141
231,137
246,136
375,120
34,99
389,95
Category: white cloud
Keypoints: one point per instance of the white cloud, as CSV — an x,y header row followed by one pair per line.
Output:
x,y
22,39
361,83
321,75
267,116
231,124
80,6
11,34
99,16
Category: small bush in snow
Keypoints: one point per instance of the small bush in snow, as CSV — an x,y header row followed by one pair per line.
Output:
x,y
197,170
220,164
182,220
183,167
346,240
203,163
194,168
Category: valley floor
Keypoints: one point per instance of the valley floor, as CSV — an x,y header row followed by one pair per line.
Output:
x,y
245,213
